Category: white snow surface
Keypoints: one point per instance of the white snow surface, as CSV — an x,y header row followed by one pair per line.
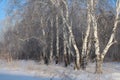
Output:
x,y
30,70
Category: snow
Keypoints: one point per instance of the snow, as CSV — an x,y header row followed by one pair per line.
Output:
x,y
30,70
19,77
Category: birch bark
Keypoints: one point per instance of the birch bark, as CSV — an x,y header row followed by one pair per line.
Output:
x,y
43,33
85,41
111,41
51,43
57,37
66,23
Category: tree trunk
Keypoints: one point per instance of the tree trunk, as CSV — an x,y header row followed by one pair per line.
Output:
x,y
85,41
57,38
88,49
96,39
99,62
68,39
69,47
43,35
65,45
51,43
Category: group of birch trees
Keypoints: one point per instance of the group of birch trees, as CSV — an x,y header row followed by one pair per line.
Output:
x,y
57,31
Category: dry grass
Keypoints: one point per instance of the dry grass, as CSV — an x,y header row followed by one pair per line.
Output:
x,y
6,56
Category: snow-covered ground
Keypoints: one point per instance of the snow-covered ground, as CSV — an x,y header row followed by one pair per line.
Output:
x,y
30,70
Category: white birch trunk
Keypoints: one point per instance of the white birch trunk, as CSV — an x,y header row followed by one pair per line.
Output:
x,y
65,45
57,37
65,35
85,40
96,39
69,46
43,33
68,37
51,43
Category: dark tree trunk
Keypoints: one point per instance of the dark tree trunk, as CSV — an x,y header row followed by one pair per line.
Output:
x,y
84,63
56,60
66,60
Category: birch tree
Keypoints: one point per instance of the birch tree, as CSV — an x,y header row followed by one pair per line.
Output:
x,y
51,43
66,34
100,55
67,24
85,49
77,62
57,38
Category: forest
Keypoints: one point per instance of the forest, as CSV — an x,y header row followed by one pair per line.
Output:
x,y
62,31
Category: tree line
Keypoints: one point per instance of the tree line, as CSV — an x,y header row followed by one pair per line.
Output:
x,y
69,31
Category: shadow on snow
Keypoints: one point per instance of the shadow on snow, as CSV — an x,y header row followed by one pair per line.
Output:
x,y
22,77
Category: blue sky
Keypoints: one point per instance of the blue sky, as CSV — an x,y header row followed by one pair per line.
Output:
x,y
2,9
3,4
2,14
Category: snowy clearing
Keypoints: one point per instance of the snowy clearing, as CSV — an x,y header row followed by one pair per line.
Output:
x,y
30,70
